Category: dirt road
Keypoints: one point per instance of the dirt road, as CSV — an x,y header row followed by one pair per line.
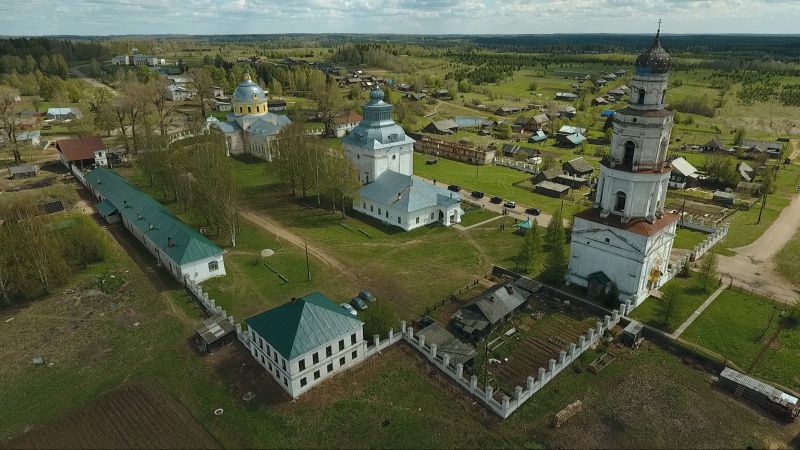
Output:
x,y
77,72
754,265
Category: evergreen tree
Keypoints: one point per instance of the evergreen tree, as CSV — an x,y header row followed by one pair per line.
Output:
x,y
557,262
530,252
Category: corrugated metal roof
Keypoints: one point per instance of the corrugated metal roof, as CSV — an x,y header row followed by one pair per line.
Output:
x,y
767,390
407,193
683,167
460,352
297,327
152,218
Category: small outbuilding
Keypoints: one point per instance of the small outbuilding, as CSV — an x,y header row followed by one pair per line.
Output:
x,y
768,397
23,171
460,352
551,189
215,332
724,198
577,167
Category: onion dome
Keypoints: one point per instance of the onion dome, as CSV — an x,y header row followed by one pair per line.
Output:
x,y
376,94
654,60
248,91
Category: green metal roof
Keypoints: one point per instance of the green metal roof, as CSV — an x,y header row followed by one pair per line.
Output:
x,y
297,327
105,208
151,218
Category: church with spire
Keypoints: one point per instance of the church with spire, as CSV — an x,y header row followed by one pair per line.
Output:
x,y
384,156
251,128
627,236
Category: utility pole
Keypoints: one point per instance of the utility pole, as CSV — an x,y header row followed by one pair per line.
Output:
x,y
308,266
763,204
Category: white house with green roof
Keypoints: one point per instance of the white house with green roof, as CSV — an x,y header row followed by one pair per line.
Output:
x,y
305,341
176,246
384,155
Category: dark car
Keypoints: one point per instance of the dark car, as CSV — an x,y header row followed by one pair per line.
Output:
x,y
496,200
367,296
358,304
533,211
477,194
510,204
454,188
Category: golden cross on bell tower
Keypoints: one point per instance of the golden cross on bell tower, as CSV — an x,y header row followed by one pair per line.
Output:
x,y
659,25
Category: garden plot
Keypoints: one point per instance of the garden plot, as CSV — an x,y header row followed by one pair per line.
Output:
x,y
542,331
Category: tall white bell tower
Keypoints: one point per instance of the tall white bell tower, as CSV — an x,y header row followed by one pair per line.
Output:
x,y
626,238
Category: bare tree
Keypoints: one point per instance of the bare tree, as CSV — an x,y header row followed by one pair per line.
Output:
x,y
329,103
165,109
203,84
9,109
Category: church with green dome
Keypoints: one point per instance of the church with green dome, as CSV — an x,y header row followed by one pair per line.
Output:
x,y
251,128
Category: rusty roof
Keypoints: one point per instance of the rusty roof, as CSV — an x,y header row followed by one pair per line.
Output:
x,y
76,149
636,225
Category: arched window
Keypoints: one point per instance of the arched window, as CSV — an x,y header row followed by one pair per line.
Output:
x,y
630,150
640,100
249,110
662,151
619,203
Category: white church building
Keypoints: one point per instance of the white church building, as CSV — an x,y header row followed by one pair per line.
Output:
x,y
626,237
251,128
384,156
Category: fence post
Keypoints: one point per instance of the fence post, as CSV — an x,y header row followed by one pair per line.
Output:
x,y
434,349
489,392
421,340
530,383
460,370
572,350
410,332
581,342
551,367
391,335
403,326
376,338
562,356
473,382
446,359
540,377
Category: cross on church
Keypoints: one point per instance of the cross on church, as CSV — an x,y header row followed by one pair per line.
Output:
x,y
659,25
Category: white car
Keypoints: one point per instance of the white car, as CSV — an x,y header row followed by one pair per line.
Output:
x,y
349,308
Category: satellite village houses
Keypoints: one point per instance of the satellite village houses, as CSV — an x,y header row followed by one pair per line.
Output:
x,y
184,252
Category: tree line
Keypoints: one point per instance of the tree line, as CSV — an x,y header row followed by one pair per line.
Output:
x,y
40,252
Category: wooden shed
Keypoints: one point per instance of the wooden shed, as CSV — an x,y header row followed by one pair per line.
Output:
x,y
214,333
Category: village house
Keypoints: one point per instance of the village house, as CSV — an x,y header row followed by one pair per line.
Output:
x,y
537,123
344,124
569,136
683,174
305,341
517,151
137,60
447,126
178,93
724,198
217,91
222,104
547,175
84,152
572,181
177,247
507,110
577,167
750,189
276,105
746,173
32,138
63,113
391,193
715,146
537,136
551,189
567,112
482,314
567,96
752,149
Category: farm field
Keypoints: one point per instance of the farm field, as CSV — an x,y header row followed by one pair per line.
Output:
x,y
134,416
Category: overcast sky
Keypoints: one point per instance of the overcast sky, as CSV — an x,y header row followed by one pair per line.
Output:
x,y
107,17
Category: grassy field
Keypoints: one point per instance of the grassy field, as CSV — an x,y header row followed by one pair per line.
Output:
x,y
492,180
471,217
745,226
738,325
690,295
688,239
787,261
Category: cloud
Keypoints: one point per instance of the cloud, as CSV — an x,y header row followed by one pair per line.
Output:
x,y
104,17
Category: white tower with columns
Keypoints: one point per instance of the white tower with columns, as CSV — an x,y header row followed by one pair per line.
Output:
x,y
626,238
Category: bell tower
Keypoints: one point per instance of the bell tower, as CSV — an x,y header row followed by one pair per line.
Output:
x,y
626,237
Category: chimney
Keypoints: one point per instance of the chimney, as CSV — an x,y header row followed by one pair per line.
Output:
x,y
151,225
509,289
98,180
125,203
169,242
138,214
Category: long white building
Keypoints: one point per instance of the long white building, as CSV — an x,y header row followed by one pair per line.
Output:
x,y
627,237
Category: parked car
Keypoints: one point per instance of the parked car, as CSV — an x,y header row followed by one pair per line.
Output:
x,y
510,204
454,188
477,194
496,200
367,296
349,309
358,304
533,211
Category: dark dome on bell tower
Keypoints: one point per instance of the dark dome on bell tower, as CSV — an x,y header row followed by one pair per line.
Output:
x,y
655,59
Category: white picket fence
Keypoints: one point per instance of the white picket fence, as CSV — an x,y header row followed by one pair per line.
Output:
x,y
518,165
717,235
507,405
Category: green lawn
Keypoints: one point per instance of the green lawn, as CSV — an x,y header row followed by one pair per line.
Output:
x,y
744,226
690,295
737,326
492,180
471,217
787,261
688,239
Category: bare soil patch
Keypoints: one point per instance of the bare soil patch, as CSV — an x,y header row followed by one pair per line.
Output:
x,y
135,416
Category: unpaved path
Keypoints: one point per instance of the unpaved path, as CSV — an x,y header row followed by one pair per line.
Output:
x,y
754,265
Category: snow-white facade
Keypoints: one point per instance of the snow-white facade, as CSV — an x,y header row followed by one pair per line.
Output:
x,y
384,156
627,237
